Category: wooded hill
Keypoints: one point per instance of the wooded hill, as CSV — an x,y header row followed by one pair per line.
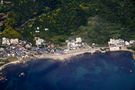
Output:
x,y
94,20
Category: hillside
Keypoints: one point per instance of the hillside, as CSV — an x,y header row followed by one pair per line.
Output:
x,y
94,20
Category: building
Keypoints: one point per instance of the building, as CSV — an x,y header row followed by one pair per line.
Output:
x,y
74,44
14,41
28,46
71,44
5,41
127,43
116,44
39,41
2,2
132,42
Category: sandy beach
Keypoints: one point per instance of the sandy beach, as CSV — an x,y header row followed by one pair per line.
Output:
x,y
65,56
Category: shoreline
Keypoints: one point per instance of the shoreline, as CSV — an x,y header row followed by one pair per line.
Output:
x,y
63,57
60,57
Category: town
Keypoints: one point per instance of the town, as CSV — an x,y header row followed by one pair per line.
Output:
x,y
20,49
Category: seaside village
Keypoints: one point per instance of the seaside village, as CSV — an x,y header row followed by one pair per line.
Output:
x,y
23,49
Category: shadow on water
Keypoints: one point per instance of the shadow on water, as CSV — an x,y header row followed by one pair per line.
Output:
x,y
108,71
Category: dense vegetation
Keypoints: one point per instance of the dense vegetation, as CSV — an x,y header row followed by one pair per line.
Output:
x,y
94,20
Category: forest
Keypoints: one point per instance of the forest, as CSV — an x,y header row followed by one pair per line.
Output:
x,y
96,21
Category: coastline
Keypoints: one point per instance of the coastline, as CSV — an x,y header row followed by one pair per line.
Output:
x,y
60,57
65,56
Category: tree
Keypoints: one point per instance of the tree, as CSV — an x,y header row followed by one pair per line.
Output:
x,y
9,32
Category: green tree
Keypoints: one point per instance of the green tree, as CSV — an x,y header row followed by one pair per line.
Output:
x,y
9,32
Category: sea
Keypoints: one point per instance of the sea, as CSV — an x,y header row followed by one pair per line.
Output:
x,y
98,71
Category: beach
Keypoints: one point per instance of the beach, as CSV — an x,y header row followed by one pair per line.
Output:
x,y
57,56
54,56
61,57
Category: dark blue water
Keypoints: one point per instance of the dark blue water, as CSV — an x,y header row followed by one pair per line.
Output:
x,y
108,71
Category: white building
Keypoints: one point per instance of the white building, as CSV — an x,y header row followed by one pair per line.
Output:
x,y
74,44
71,44
28,46
2,2
79,40
132,42
14,41
127,43
5,41
116,44
39,41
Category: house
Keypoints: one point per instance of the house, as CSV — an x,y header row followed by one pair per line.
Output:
x,y
74,44
79,42
14,41
116,44
127,43
2,2
39,41
28,46
5,41
132,42
71,44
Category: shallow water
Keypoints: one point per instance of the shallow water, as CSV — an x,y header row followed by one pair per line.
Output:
x,y
108,71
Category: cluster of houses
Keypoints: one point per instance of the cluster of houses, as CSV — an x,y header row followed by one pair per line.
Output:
x,y
4,2
19,48
13,47
74,43
120,44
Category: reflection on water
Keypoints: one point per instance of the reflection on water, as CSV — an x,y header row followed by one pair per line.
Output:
x,y
108,71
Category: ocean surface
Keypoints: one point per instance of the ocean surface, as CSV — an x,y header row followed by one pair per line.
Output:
x,y
99,71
